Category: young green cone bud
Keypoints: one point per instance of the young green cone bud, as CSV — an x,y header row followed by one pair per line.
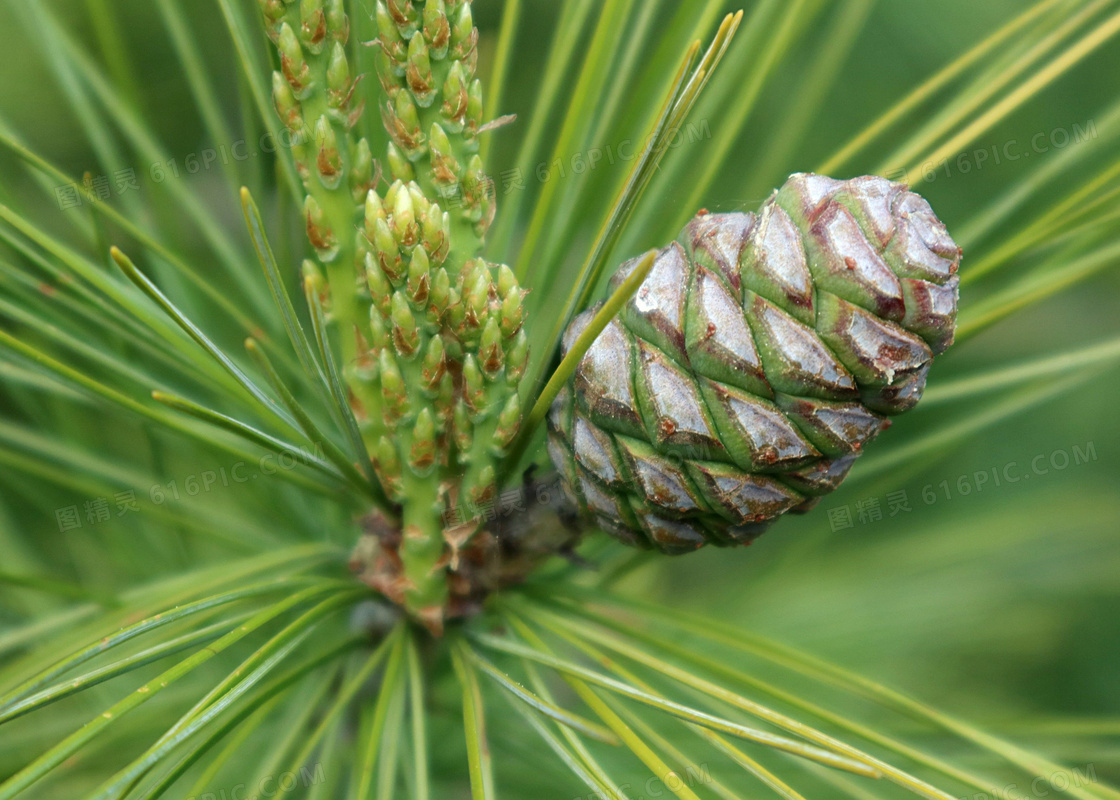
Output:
x,y
392,43
387,465
338,77
491,356
474,108
419,278
338,24
444,402
440,295
419,71
328,161
422,455
462,430
287,106
517,359
507,281
292,64
406,335
509,423
386,251
373,211
485,490
361,172
445,169
394,393
402,121
513,314
273,10
313,25
378,333
435,364
437,233
437,29
476,300
319,232
404,15
403,221
474,385
455,99
399,166
420,200
475,190
463,35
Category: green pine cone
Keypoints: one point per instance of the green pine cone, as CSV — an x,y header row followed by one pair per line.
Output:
x,y
759,356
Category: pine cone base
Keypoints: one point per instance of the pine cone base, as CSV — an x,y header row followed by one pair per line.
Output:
x,y
483,555
758,358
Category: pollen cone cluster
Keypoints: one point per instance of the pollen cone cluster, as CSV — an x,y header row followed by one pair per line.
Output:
x,y
435,389
442,354
760,355
431,333
427,54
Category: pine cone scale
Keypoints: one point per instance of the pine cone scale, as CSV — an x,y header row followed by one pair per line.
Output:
x,y
674,411
779,268
718,340
657,311
821,478
604,383
795,359
759,438
847,266
743,498
835,429
716,241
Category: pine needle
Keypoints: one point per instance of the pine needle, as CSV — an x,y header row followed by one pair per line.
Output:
x,y
474,724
